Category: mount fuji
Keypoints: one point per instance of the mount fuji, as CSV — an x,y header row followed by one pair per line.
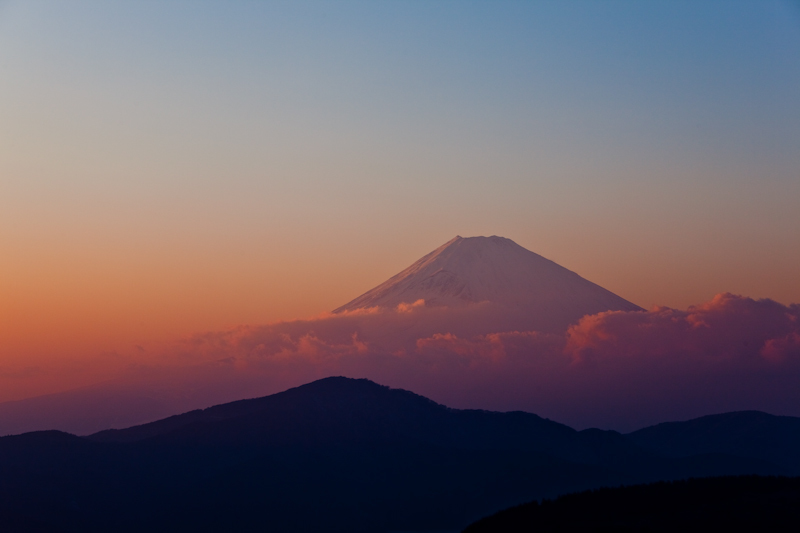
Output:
x,y
500,276
470,287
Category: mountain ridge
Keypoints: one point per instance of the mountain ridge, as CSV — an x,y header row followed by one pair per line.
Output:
x,y
337,454
756,434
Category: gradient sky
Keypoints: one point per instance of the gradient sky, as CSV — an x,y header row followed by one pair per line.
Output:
x,y
171,167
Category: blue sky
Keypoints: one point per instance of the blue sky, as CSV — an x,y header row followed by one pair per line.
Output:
x,y
268,160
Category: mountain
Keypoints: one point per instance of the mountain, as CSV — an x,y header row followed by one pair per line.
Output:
x,y
136,397
337,454
367,411
743,433
471,287
82,411
496,271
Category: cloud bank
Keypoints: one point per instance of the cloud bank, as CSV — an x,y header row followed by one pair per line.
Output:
x,y
617,370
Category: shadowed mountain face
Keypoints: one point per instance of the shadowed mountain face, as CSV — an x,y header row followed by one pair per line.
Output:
x,y
334,455
496,271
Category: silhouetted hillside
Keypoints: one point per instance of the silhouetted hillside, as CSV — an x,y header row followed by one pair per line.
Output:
x,y
745,434
334,455
344,412
747,503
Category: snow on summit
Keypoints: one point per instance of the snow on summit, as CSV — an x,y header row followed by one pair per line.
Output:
x,y
498,273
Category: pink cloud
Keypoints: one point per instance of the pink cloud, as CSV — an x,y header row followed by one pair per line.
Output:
x,y
613,369
619,370
783,348
727,328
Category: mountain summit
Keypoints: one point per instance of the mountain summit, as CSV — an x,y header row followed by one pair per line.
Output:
x,y
494,270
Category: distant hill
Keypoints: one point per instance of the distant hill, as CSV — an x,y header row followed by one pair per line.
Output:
x,y
747,503
744,434
337,454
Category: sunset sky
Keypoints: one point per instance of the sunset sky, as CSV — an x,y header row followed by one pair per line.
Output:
x,y
173,167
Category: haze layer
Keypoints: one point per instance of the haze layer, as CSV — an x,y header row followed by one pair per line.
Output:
x,y
480,323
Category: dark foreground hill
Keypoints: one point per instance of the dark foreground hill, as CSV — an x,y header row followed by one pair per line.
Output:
x,y
334,455
746,503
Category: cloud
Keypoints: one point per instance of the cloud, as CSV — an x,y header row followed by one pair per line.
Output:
x,y
613,369
729,329
783,348
620,370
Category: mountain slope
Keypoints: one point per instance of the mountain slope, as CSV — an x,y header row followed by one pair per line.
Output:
x,y
366,408
497,271
337,454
